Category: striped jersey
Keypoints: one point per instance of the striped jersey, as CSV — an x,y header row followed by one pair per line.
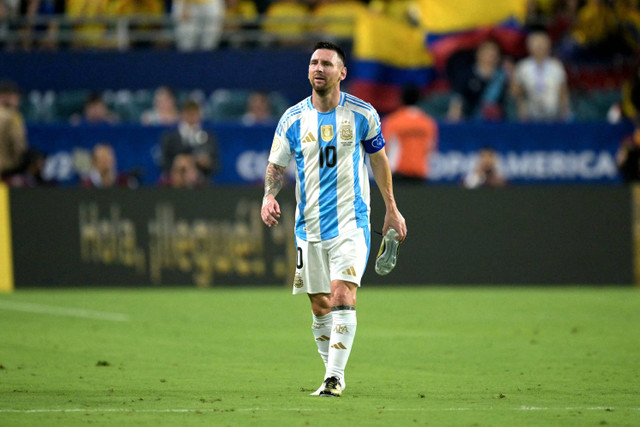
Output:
x,y
332,182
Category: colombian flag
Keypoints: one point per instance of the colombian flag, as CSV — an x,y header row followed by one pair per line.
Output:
x,y
463,24
388,54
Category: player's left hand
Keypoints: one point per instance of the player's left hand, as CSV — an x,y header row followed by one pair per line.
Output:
x,y
393,218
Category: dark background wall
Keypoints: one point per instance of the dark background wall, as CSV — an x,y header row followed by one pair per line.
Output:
x,y
150,236
259,69
522,235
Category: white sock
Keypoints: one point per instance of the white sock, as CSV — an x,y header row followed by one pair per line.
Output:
x,y
322,333
342,334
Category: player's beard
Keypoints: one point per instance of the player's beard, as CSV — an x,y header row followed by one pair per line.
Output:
x,y
320,91
323,88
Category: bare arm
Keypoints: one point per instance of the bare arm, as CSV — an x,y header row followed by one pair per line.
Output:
x,y
454,114
518,94
565,105
273,181
517,91
382,175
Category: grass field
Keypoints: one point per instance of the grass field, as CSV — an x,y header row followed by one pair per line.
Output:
x,y
423,356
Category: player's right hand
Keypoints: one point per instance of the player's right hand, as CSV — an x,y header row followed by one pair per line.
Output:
x,y
270,211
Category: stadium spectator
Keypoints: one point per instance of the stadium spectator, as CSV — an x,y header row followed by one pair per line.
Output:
x,y
11,96
184,172
628,16
13,133
594,35
631,96
338,17
479,88
244,9
628,157
45,34
486,172
565,13
539,84
259,111
190,138
198,23
9,10
262,5
29,172
411,135
241,15
140,9
103,172
164,111
284,21
88,34
94,112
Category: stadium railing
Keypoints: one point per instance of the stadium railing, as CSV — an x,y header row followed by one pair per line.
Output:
x,y
125,32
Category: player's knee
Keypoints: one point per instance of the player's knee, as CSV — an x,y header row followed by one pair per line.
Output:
x,y
320,310
343,293
320,304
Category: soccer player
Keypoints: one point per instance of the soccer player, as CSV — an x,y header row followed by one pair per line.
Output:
x,y
329,134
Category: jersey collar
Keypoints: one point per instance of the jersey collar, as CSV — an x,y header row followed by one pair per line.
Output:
x,y
343,98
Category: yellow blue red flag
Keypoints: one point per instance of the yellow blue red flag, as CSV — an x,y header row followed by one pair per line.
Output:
x,y
388,54
463,24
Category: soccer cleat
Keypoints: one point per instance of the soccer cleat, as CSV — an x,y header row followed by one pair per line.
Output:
x,y
388,253
332,388
343,383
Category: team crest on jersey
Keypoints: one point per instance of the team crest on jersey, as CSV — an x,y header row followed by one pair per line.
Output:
x,y
346,134
297,281
276,145
326,131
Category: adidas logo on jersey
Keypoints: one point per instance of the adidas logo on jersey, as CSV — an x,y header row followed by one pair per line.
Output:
x,y
350,272
309,138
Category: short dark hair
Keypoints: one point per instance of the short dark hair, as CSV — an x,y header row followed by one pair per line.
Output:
x,y
9,87
93,98
191,105
332,46
410,94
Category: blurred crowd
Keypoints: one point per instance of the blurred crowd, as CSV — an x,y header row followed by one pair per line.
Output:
x,y
543,84
192,24
579,29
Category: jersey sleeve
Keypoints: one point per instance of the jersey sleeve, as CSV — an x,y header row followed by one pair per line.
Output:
x,y
280,148
373,140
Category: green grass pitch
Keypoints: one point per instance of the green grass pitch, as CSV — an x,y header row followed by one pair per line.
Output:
x,y
438,356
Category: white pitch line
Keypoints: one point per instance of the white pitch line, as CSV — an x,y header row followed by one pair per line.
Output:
x,y
209,410
153,411
27,307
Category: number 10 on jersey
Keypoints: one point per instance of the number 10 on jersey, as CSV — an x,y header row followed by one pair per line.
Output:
x,y
328,156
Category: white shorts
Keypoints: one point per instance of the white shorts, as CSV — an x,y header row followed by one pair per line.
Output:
x,y
341,258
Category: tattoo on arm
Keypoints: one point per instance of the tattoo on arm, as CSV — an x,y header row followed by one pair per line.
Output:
x,y
273,180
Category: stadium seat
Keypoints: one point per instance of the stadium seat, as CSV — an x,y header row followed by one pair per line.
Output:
x,y
436,104
39,106
230,104
593,105
69,102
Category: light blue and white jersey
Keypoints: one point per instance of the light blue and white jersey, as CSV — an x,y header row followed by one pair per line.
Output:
x,y
332,182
